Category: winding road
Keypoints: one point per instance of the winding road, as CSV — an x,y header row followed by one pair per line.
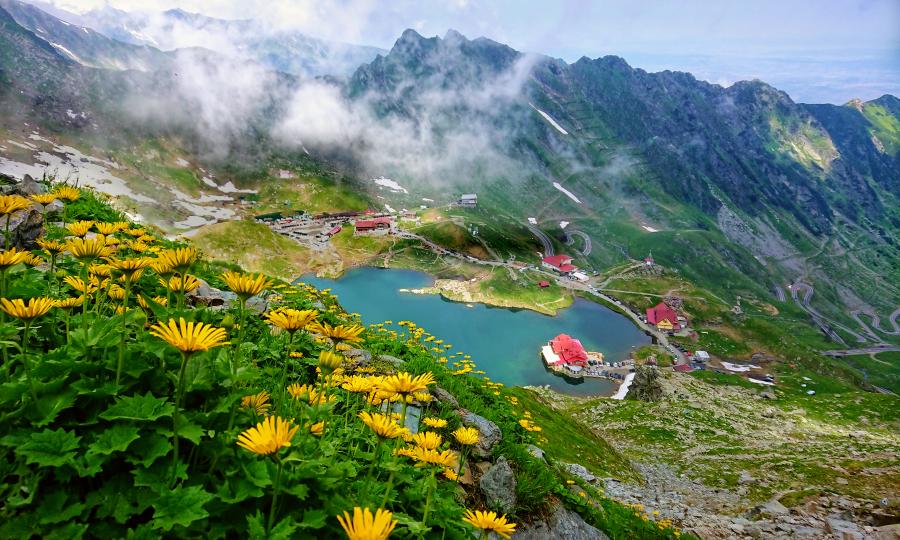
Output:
x,y
825,324
586,247
545,240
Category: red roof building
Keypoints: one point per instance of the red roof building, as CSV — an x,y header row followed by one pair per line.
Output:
x,y
544,284
365,225
333,231
569,350
664,317
560,263
683,368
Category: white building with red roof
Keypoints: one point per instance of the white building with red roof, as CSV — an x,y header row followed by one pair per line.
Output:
x,y
564,350
559,263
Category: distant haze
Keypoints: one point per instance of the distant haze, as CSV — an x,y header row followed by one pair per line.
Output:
x,y
817,51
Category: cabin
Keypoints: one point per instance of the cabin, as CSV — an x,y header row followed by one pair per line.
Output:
x,y
564,350
663,317
374,224
559,263
468,200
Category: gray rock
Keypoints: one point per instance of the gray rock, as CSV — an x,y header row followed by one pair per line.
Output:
x,y
393,360
580,471
210,297
499,486
258,304
563,523
360,356
768,394
25,227
535,451
30,186
444,396
775,508
745,478
489,432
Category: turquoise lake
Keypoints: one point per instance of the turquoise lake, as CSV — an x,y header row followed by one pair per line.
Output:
x,y
505,343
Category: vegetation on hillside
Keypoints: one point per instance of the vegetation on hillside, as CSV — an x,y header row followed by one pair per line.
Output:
x,y
130,410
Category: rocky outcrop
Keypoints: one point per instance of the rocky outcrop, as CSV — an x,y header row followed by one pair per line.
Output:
x,y
211,297
444,396
490,433
580,471
499,486
563,523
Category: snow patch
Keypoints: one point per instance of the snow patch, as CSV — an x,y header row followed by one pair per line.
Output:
x,y
182,162
228,187
389,209
390,184
208,181
25,145
427,200
568,193
68,53
550,119
532,221
738,368
563,224
623,388
649,229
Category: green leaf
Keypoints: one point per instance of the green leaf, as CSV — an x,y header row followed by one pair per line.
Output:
x,y
257,472
158,475
180,506
69,531
314,518
50,406
50,448
189,431
284,529
114,439
138,407
301,491
148,449
256,526
54,509
238,489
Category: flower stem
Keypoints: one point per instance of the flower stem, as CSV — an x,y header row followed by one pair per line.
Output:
x,y
124,332
275,488
431,484
179,395
25,360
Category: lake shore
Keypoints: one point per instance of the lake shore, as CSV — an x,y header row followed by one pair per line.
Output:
x,y
470,292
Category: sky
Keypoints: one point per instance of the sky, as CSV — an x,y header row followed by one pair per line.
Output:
x,y
816,50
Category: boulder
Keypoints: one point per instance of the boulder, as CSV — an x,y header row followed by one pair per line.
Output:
x,y
30,186
580,471
258,303
393,360
499,486
536,452
25,227
489,432
444,396
563,523
360,356
210,297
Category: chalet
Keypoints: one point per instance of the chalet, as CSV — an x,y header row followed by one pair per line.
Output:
x,y
663,317
468,200
563,350
374,224
559,263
